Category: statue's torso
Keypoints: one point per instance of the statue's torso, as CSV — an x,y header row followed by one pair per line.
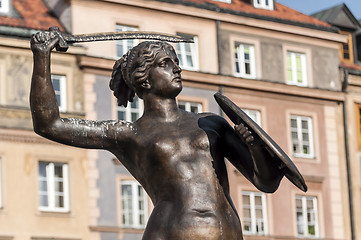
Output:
x,y
176,168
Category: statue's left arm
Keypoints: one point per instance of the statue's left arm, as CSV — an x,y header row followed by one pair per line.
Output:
x,y
251,158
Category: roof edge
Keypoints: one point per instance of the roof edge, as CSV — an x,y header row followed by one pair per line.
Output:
x,y
215,8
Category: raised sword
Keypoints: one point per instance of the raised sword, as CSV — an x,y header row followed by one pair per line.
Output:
x,y
65,39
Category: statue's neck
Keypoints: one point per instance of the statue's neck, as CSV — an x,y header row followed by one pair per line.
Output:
x,y
160,108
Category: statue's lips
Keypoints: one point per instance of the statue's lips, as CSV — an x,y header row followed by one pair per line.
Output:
x,y
177,79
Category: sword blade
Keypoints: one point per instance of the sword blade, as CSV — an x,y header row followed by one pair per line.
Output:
x,y
108,36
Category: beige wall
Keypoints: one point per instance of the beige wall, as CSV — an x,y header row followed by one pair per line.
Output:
x,y
20,152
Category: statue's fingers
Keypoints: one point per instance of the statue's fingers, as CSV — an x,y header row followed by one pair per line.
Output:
x,y
37,37
53,42
247,134
241,128
249,139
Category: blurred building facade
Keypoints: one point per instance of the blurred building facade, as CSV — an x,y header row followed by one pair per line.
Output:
x,y
280,66
43,185
350,57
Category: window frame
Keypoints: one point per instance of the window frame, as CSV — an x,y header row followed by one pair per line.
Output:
x,y
189,104
182,54
124,42
252,208
300,139
62,91
135,206
263,5
257,119
239,51
304,68
305,223
358,124
6,7
350,48
50,193
129,110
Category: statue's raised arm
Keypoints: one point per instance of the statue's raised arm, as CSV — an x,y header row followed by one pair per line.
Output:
x,y
45,112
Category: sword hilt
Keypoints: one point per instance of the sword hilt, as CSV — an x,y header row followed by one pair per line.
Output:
x,y
62,45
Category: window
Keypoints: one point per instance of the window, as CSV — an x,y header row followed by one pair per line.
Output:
x,y
132,112
4,6
134,205
59,84
254,213
124,45
255,115
302,136
358,124
187,53
296,69
265,4
190,106
245,60
307,216
346,48
53,187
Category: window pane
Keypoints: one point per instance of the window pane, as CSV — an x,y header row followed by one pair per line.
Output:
x,y
304,124
134,207
307,225
42,169
132,112
134,117
247,68
124,45
56,84
134,104
194,109
58,171
59,187
296,68
52,186
187,53
121,115
254,219
43,200
244,60
59,201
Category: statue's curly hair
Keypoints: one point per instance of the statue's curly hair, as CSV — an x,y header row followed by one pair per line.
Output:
x,y
131,70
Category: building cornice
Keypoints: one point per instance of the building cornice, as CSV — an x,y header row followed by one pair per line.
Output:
x,y
13,41
284,27
22,136
105,66
114,229
263,86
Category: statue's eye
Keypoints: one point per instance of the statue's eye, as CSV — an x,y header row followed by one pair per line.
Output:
x,y
162,64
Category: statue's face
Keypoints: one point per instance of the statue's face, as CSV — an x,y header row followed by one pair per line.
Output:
x,y
164,76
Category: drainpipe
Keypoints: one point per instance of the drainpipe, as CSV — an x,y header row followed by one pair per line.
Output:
x,y
348,166
219,56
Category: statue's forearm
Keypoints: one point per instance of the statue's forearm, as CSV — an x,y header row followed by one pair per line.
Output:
x,y
43,101
267,175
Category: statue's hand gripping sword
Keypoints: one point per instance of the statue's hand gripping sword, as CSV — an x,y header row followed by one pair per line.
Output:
x,y
65,39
